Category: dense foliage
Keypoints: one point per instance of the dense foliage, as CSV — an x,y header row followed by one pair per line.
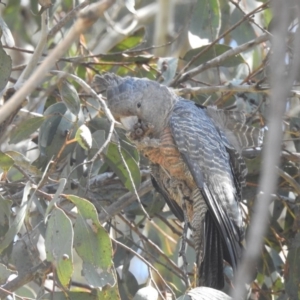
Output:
x,y
70,225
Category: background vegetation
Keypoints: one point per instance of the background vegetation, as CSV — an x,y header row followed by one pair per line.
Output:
x,y
70,225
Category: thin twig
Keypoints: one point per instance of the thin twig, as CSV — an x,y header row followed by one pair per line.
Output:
x,y
132,182
85,20
146,262
281,85
223,88
221,58
124,201
289,179
68,17
38,52
43,268
156,249
182,74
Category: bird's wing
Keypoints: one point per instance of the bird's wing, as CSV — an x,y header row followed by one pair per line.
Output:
x,y
174,207
203,150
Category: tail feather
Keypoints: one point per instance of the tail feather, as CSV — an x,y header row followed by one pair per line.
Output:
x,y
211,267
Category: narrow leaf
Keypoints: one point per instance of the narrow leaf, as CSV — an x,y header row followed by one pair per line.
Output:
x,y
23,131
59,242
18,220
131,41
69,96
212,53
114,160
5,273
83,137
23,163
5,68
59,191
93,245
6,162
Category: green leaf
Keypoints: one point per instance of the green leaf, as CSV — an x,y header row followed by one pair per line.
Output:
x,y
98,139
59,191
6,162
18,220
109,293
53,133
244,32
206,19
93,245
27,127
131,41
114,160
212,53
23,163
5,273
5,68
69,96
91,108
49,126
83,137
58,243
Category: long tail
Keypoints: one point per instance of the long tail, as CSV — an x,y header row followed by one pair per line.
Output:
x,y
210,270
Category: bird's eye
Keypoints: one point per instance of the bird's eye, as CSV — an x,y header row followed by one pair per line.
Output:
x,y
139,105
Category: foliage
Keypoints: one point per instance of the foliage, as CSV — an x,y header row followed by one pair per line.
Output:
x,y
69,223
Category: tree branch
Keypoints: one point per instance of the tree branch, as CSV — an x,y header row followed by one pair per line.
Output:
x,y
85,20
281,85
221,58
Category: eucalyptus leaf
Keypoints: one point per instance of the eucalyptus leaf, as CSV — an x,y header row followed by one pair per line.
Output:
x,y
93,245
206,19
23,163
18,220
24,130
59,191
69,96
113,158
130,41
5,68
83,137
54,132
5,273
6,161
58,243
215,51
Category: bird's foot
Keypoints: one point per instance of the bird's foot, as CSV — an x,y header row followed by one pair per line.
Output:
x,y
140,130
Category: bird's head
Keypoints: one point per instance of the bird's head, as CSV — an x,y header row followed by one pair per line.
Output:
x,y
131,99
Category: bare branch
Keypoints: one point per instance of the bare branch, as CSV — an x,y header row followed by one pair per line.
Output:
x,y
38,52
124,201
223,88
215,62
281,85
68,17
42,269
85,20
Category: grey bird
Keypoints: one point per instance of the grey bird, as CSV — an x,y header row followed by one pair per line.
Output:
x,y
196,163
